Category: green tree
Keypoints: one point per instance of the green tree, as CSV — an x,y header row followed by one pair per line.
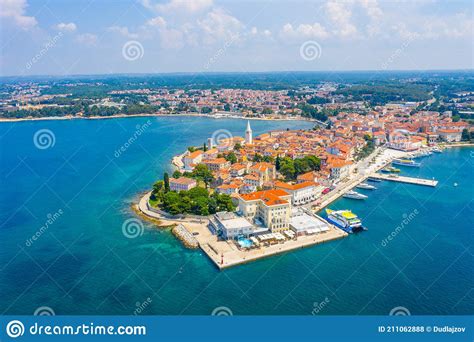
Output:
x,y
202,172
157,191
176,174
231,157
158,186
277,163
287,168
204,147
268,159
171,202
206,110
237,146
224,202
465,135
166,179
201,206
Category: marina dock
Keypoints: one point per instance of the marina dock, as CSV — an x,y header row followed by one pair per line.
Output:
x,y
404,179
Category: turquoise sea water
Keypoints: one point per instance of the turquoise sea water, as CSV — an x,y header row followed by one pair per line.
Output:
x,y
83,264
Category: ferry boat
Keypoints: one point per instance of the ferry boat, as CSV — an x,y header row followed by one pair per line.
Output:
x,y
345,220
366,186
405,162
354,195
390,169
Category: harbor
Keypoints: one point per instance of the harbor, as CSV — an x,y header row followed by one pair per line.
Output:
x,y
382,161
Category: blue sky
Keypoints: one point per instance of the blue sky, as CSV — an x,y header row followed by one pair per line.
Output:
x,y
150,36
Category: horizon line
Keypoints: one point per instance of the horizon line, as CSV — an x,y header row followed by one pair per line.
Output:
x,y
238,72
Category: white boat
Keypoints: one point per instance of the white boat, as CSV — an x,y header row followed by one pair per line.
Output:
x,y
354,195
366,186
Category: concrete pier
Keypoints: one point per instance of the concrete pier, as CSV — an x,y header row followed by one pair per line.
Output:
x,y
404,179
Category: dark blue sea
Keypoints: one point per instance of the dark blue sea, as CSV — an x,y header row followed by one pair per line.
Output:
x,y
66,190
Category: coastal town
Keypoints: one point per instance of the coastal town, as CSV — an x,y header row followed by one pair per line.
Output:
x,y
279,181
240,197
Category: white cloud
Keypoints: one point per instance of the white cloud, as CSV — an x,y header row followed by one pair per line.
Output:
x,y
304,31
15,10
169,37
375,14
452,27
159,22
340,15
372,7
174,6
87,39
172,39
69,27
124,31
218,25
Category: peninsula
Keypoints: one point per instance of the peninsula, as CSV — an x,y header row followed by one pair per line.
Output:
x,y
243,198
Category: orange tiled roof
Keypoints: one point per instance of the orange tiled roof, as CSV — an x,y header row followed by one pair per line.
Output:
x,y
183,180
194,154
269,197
449,131
217,161
294,186
308,176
